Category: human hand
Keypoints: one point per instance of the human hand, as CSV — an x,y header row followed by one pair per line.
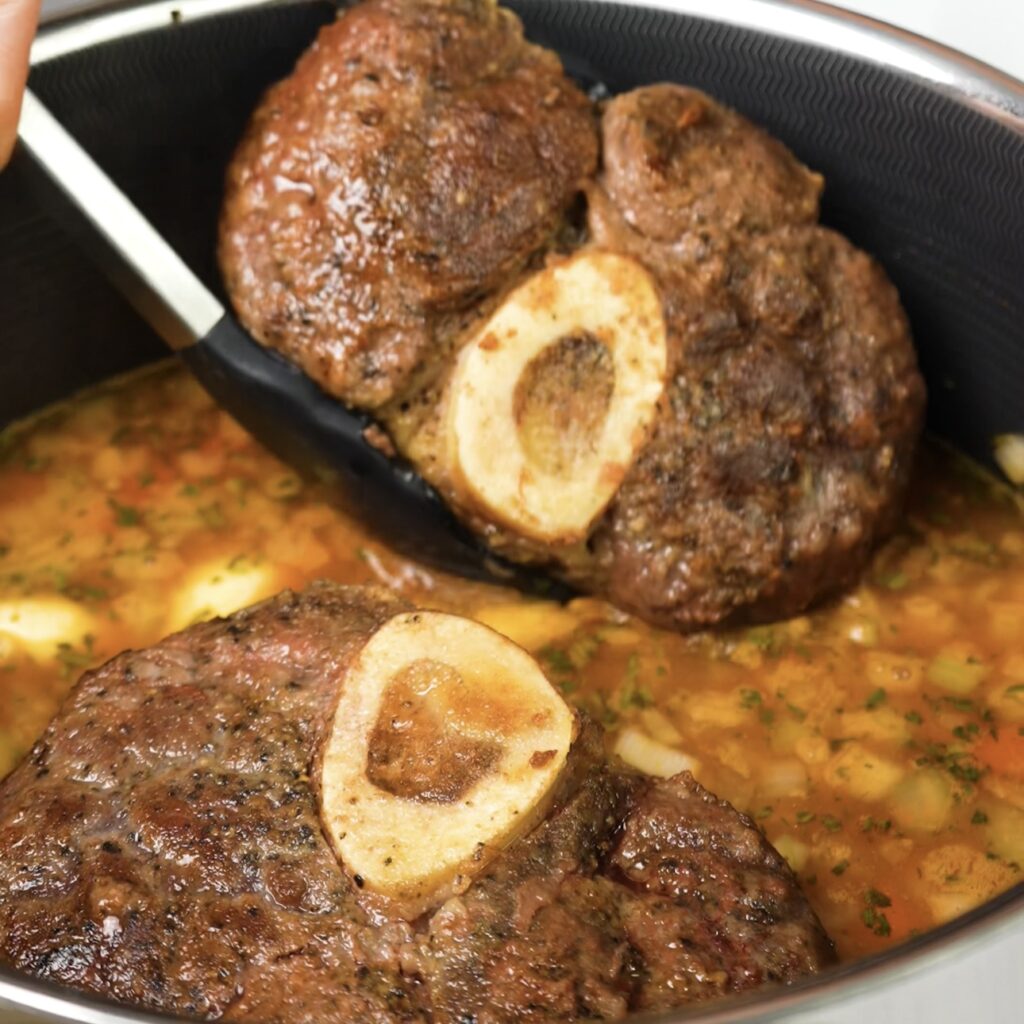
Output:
x,y
17,27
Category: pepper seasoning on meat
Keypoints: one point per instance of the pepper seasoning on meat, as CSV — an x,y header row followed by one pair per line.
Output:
x,y
734,460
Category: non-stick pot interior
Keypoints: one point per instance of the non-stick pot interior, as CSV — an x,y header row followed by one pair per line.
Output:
x,y
929,184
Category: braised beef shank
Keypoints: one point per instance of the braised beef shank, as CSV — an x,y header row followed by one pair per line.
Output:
x,y
161,845
424,158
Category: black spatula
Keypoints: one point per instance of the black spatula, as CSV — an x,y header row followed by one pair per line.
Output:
x,y
272,399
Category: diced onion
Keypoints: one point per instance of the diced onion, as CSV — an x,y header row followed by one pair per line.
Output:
x,y
221,587
646,754
530,624
660,726
784,777
1009,453
795,852
922,801
955,674
862,773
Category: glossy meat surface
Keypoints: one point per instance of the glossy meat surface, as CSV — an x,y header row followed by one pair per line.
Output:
x,y
423,158
161,845
675,162
421,154
784,441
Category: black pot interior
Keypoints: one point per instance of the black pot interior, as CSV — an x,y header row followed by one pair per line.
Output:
x,y
925,182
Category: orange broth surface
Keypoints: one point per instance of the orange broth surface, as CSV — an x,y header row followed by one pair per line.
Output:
x,y
878,741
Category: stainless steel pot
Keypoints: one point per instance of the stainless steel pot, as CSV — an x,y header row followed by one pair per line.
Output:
x,y
923,151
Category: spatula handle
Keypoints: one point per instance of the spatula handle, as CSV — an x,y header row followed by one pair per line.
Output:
x,y
147,270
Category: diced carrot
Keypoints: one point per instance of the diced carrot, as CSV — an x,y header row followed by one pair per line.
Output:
x,y
1003,753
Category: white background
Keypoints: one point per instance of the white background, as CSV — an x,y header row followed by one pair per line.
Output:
x,y
990,30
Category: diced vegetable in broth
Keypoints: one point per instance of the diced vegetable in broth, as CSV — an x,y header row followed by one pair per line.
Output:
x,y
878,741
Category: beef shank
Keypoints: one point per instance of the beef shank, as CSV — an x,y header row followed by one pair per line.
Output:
x,y
433,221
172,841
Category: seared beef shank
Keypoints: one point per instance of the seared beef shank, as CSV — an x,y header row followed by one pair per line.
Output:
x,y
162,845
419,155
794,402
419,174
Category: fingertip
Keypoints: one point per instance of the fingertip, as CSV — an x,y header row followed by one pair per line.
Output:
x,y
10,111
18,20
6,149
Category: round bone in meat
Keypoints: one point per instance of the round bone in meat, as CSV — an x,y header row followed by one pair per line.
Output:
x,y
554,396
445,745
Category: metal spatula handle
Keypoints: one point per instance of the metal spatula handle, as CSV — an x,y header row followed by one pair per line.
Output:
x,y
147,270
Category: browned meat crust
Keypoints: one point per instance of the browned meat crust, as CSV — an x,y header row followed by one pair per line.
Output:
x,y
161,845
589,920
418,156
162,837
674,163
782,448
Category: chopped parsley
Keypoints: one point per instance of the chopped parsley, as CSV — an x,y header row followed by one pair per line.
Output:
x,y
633,693
556,659
764,638
875,700
965,771
872,915
967,733
635,696
894,580
582,649
87,592
124,515
213,516
73,659
960,764
798,713
870,824
876,921
962,704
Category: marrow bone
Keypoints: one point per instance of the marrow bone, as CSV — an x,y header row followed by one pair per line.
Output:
x,y
553,397
445,746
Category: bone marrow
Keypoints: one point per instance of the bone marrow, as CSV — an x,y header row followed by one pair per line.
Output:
x,y
445,746
547,464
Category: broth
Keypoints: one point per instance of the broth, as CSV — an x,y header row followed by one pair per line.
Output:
x,y
878,741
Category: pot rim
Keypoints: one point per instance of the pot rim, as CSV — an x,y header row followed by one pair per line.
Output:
x,y
992,92
989,91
